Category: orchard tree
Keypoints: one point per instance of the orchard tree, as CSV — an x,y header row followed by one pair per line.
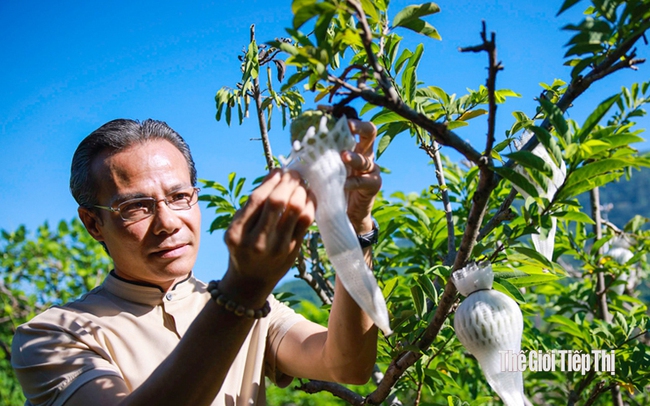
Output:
x,y
582,295
50,267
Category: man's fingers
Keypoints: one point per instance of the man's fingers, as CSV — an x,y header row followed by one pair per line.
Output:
x,y
248,216
367,133
358,162
276,204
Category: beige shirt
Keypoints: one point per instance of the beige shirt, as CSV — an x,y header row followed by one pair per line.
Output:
x,y
127,330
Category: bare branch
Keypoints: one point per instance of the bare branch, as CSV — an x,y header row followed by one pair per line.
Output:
x,y
504,213
261,120
440,175
335,389
601,289
311,280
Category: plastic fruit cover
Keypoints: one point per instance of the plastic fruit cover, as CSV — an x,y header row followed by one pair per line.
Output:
x,y
488,322
317,157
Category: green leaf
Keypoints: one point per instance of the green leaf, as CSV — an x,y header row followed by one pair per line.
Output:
x,y
470,114
566,5
391,131
530,160
517,179
389,287
568,192
370,9
220,223
427,287
557,119
577,216
414,12
401,60
571,326
240,183
420,215
533,280
418,300
595,117
533,254
322,25
456,124
231,180
422,27
549,143
593,169
386,116
304,11
509,289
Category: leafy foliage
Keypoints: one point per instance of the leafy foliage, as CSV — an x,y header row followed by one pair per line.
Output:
x,y
352,49
51,267
349,49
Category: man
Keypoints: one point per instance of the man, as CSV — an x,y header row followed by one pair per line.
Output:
x,y
152,334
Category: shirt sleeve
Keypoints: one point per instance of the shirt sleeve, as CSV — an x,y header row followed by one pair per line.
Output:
x,y
54,355
282,318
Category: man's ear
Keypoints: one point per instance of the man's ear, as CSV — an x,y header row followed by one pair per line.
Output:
x,y
92,222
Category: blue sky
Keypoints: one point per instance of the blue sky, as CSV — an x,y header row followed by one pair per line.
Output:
x,y
70,66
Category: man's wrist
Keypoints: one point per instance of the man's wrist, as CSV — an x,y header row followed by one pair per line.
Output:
x,y
363,226
252,293
370,238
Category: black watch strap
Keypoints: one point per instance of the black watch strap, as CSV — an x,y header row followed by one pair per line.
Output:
x,y
369,239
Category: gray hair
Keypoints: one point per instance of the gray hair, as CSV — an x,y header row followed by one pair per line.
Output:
x,y
115,136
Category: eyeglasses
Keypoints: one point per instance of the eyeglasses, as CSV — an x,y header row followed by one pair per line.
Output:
x,y
143,207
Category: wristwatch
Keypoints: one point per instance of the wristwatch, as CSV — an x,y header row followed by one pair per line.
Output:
x,y
370,238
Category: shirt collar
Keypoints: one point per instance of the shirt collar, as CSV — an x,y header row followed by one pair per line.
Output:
x,y
145,293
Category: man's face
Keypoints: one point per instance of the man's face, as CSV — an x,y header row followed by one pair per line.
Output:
x,y
160,249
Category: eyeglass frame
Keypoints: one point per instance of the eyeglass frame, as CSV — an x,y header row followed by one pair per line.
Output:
x,y
195,191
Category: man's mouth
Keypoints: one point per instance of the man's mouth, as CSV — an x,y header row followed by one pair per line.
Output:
x,y
171,251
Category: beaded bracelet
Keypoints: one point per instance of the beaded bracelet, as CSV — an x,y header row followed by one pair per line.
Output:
x,y
231,306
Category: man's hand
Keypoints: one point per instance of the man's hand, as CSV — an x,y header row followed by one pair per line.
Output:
x,y
265,236
364,182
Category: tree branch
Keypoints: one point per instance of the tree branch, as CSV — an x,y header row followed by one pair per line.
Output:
x,y
261,120
599,390
449,214
504,213
335,389
311,280
494,67
601,288
366,38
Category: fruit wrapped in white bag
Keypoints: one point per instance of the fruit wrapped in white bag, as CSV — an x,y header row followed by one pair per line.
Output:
x,y
543,244
318,140
487,323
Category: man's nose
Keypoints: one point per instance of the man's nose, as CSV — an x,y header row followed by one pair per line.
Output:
x,y
165,220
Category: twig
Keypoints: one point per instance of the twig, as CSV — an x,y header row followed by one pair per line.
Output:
x,y
504,213
434,153
366,39
494,67
599,390
335,389
442,347
311,280
601,290
261,120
